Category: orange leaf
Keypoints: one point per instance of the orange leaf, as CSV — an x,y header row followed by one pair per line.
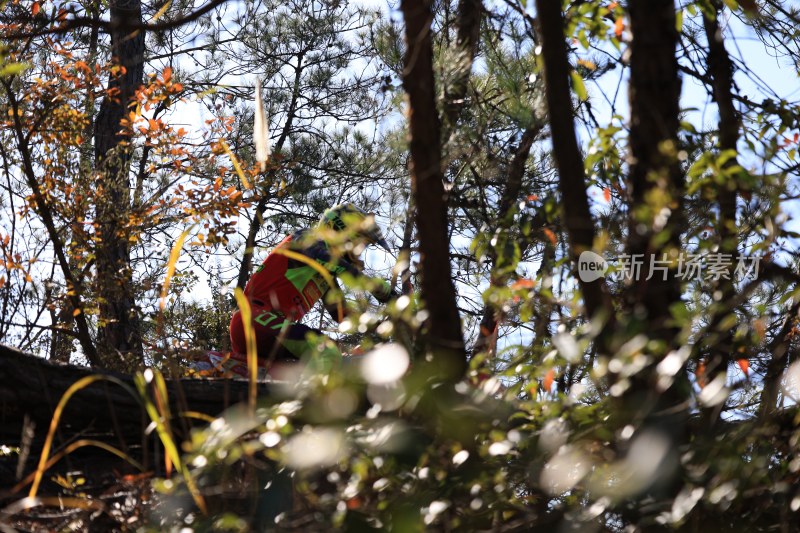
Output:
x,y
613,5
533,197
76,312
760,327
35,8
744,364
167,74
619,26
607,194
548,380
550,235
133,478
700,374
523,284
353,503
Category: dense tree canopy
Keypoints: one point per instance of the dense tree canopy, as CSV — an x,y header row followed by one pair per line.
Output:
x,y
592,206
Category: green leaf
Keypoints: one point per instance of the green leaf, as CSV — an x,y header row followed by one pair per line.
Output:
x,y
680,313
725,156
583,38
13,69
578,86
733,5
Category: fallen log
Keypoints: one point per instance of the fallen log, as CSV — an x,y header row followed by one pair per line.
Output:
x,y
31,387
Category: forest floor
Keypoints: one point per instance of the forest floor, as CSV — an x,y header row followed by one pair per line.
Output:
x,y
88,492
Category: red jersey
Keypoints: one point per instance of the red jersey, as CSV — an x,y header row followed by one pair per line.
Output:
x,y
292,286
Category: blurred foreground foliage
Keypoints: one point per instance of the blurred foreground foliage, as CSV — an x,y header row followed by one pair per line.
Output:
x,y
380,445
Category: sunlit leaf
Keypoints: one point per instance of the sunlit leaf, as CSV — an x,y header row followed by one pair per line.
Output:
x,y
578,86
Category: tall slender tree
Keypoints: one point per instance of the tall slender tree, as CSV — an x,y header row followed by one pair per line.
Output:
x,y
444,332
119,317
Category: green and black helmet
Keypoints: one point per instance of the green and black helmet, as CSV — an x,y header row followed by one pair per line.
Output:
x,y
344,216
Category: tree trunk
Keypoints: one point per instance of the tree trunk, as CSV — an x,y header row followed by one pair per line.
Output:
x,y
720,70
654,93
569,161
655,181
438,292
120,335
467,38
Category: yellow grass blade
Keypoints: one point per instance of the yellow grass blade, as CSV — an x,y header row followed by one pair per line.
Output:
x,y
59,410
197,416
165,436
250,342
75,503
162,404
174,255
236,165
160,12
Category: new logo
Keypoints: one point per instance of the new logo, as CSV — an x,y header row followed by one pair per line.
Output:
x,y
591,266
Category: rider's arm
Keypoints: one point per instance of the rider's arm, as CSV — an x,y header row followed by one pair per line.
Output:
x,y
381,289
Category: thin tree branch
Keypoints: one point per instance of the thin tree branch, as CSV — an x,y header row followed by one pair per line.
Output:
x,y
124,25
